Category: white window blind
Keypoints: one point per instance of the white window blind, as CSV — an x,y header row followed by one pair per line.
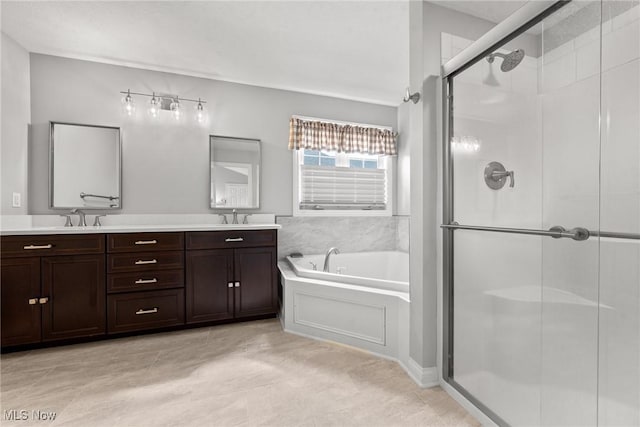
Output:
x,y
323,187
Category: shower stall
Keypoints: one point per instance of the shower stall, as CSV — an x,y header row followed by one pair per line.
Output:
x,y
541,216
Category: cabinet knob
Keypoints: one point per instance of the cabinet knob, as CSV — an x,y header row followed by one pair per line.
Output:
x,y
43,300
230,284
237,284
33,301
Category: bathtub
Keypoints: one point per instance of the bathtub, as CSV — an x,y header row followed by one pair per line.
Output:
x,y
380,270
363,301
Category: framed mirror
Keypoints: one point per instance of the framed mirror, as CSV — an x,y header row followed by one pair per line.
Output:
x,y
84,167
235,172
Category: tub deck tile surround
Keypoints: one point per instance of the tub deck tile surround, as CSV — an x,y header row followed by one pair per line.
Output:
x,y
239,374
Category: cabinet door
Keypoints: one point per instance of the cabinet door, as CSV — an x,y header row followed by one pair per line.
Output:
x,y
20,282
76,292
208,294
255,271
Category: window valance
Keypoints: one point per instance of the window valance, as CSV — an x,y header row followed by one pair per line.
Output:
x,y
342,138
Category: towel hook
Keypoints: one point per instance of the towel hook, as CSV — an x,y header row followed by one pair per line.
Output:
x,y
408,96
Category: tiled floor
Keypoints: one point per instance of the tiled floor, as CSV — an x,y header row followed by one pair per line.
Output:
x,y
241,374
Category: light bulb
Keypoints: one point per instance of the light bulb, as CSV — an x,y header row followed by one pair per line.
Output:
x,y
155,105
176,109
128,106
201,114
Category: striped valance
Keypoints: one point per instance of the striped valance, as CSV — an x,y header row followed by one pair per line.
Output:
x,y
343,138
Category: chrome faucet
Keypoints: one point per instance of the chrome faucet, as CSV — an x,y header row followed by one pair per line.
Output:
x,y
235,216
82,220
326,258
224,218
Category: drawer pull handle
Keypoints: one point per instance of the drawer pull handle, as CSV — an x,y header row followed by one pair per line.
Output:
x,y
143,262
33,301
143,281
234,239
230,284
29,247
141,311
237,284
43,300
146,242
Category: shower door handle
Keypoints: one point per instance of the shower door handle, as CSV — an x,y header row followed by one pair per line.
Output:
x,y
557,232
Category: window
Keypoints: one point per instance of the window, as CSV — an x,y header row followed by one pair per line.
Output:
x,y
330,183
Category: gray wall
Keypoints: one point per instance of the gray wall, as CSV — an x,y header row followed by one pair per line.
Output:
x,y
165,165
15,118
427,22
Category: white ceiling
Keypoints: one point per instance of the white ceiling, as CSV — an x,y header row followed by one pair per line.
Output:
x,y
355,50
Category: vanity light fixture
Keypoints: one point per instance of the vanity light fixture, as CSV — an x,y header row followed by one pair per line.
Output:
x,y
176,108
159,102
200,113
128,105
155,105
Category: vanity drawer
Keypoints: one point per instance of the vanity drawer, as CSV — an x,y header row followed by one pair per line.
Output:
x,y
45,245
230,239
145,242
145,310
145,280
147,261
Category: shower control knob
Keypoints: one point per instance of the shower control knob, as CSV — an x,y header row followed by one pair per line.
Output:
x,y
495,176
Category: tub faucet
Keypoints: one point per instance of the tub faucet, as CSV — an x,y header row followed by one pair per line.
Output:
x,y
326,258
82,219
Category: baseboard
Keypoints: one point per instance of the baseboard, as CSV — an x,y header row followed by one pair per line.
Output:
x,y
424,377
468,406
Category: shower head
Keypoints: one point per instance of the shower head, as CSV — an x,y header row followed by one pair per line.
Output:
x,y
510,60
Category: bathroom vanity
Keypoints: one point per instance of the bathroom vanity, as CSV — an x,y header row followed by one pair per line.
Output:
x,y
100,281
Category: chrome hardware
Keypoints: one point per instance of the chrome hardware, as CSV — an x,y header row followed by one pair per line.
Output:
x,y
96,221
67,222
43,300
230,284
224,218
146,242
495,176
326,258
141,311
413,97
29,247
556,232
33,301
244,221
313,265
236,284
83,195
143,262
234,239
144,281
82,218
235,216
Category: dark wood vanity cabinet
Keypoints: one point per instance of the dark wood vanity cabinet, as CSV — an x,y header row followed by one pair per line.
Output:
x,y
231,283
145,281
53,288
61,287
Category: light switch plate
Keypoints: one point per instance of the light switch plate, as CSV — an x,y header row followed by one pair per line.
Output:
x,y
17,202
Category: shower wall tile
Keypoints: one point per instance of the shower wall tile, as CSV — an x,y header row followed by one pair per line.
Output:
x,y
314,235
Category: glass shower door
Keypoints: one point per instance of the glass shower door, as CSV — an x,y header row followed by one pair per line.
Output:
x,y
525,147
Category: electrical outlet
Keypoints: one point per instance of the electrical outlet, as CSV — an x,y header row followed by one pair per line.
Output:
x,y
17,202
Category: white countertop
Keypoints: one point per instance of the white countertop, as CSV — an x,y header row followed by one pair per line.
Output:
x,y
135,229
53,224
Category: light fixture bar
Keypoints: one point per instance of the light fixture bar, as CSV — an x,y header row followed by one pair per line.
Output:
x,y
157,95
